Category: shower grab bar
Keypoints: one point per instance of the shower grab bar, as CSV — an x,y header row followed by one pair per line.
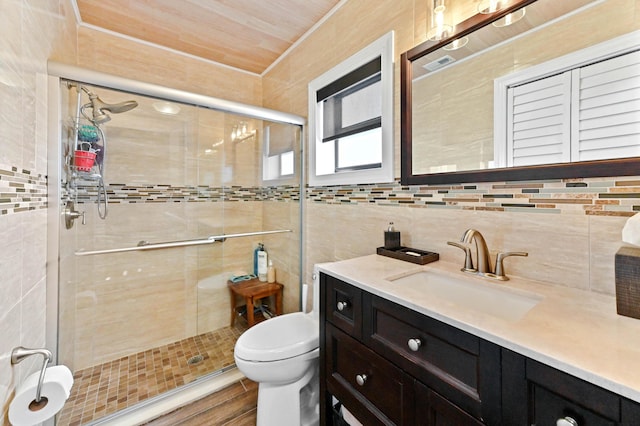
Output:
x,y
145,245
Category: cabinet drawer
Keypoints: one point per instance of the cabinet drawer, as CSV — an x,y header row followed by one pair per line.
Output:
x,y
457,365
344,306
554,395
373,389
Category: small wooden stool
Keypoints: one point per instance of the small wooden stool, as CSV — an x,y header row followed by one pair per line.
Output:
x,y
253,290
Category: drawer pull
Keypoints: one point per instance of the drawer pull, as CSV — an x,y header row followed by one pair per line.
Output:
x,y
342,305
361,379
414,344
567,421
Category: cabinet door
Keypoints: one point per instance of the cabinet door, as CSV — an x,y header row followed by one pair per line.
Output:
x,y
373,389
434,410
549,407
536,394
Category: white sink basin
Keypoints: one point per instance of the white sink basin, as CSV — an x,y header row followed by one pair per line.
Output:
x,y
472,293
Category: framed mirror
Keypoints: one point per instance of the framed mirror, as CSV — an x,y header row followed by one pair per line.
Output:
x,y
451,132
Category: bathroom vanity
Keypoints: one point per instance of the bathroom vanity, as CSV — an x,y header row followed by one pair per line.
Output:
x,y
428,345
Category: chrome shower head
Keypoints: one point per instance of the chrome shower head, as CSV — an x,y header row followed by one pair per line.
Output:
x,y
100,108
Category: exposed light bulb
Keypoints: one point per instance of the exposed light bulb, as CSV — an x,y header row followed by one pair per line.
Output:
x,y
457,43
511,18
490,6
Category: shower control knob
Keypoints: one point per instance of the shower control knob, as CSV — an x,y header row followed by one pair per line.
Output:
x,y
567,421
361,379
414,344
342,305
70,215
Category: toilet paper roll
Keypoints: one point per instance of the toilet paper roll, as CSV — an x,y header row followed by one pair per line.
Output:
x,y
631,230
24,411
349,418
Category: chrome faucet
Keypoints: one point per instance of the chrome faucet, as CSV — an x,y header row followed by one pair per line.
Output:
x,y
482,256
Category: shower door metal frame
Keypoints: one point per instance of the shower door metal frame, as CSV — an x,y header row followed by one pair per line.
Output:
x,y
58,72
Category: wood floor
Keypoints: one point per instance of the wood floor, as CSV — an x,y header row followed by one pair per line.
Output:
x,y
234,405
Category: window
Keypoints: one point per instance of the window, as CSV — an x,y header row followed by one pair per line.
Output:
x,y
351,119
278,159
587,110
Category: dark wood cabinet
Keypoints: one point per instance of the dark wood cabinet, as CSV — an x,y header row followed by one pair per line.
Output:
x,y
390,365
377,391
549,395
457,365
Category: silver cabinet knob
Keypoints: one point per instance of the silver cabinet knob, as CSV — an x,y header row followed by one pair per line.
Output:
x,y
414,344
361,379
342,305
567,421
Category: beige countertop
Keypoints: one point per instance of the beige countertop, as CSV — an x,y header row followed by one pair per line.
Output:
x,y
575,331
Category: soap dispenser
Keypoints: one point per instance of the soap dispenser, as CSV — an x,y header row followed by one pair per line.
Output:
x,y
262,264
258,249
391,238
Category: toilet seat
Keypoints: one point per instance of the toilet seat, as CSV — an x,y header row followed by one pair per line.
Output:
x,y
279,338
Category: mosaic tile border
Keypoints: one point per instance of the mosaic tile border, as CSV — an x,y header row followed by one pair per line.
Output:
x,y
123,193
612,196
21,191
592,196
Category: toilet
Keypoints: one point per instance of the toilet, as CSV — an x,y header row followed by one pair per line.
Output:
x,y
281,355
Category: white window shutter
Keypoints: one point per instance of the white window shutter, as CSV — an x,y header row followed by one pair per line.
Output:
x,y
538,124
607,116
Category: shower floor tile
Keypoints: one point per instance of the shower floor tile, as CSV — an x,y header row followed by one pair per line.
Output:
x,y
104,389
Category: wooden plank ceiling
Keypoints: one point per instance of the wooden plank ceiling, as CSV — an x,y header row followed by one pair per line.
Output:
x,y
245,34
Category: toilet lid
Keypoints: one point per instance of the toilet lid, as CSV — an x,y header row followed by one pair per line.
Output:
x,y
279,338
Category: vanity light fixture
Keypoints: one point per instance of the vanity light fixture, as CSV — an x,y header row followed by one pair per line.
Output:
x,y
490,6
510,19
438,26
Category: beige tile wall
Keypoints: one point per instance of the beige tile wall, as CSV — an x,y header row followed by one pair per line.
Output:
x,y
356,229
30,32
566,249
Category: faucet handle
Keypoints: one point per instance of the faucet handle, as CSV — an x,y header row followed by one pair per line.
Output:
x,y
468,262
499,274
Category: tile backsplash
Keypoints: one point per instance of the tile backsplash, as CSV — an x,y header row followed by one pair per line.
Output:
x,y
593,196
21,190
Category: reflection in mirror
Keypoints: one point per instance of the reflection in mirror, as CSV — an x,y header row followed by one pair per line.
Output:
x,y
448,121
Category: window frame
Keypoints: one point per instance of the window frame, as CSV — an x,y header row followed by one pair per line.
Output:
x,y
382,48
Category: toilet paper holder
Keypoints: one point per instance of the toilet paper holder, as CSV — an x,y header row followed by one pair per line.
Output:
x,y
19,353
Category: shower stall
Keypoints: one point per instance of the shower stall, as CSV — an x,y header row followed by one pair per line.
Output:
x,y
178,191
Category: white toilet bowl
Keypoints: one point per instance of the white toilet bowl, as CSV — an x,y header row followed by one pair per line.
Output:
x,y
281,354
